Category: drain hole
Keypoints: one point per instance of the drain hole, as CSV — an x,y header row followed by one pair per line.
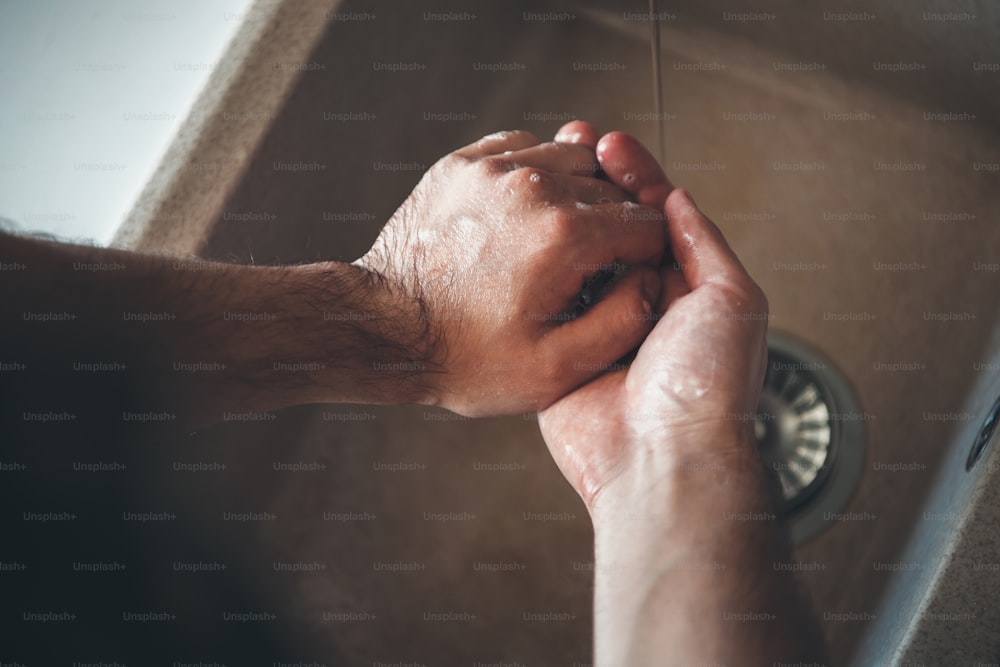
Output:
x,y
794,429
810,431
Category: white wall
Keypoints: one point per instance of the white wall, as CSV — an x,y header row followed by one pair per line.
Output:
x,y
91,93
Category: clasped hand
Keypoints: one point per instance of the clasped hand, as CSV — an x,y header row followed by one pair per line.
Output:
x,y
493,247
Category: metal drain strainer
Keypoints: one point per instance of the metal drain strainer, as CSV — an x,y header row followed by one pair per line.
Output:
x,y
810,430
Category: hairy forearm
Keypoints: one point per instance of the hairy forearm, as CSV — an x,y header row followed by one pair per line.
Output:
x,y
118,341
697,582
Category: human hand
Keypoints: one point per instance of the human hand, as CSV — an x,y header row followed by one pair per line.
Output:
x,y
490,252
663,455
687,397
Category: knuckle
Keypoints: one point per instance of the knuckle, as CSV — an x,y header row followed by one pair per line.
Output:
x,y
604,193
496,137
744,296
450,163
529,179
525,135
561,223
634,319
751,294
499,135
532,175
495,165
758,299
518,138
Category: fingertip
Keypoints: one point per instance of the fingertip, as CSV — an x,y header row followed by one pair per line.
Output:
x,y
609,146
633,168
578,132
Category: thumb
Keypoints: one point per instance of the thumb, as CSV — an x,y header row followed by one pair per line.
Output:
x,y
615,326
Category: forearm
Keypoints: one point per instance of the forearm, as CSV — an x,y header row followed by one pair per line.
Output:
x,y
123,341
684,574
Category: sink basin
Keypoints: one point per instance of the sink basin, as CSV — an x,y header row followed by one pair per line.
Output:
x,y
857,190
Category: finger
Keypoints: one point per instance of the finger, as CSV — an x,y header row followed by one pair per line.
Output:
x,y
630,233
611,329
700,249
569,196
579,132
572,159
674,287
499,142
606,239
589,190
634,169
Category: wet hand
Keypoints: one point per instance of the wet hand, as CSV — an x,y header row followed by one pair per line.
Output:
x,y
685,399
491,251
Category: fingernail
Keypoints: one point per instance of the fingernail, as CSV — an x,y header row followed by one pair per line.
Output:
x,y
651,285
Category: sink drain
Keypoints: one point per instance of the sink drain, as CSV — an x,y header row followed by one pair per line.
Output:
x,y
810,431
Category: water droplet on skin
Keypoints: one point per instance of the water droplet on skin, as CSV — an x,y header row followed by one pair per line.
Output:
x,y
535,177
508,152
580,204
629,179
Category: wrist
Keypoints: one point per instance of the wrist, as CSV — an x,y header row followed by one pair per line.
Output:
x,y
680,478
686,546
378,334
332,333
